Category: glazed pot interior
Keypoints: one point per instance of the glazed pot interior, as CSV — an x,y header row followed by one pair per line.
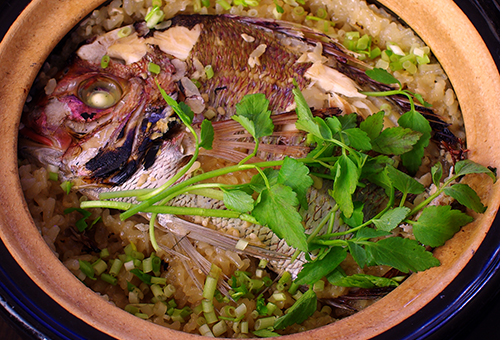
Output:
x,y
465,59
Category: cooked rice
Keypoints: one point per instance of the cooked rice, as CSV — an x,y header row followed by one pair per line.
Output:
x,y
47,201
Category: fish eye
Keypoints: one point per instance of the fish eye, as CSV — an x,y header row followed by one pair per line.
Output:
x,y
100,92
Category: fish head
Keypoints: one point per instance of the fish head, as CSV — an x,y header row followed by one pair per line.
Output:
x,y
100,124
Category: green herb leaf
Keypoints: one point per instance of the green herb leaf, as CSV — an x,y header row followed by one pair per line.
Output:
x,y
295,175
395,141
465,195
416,122
277,210
257,182
348,121
373,125
336,274
238,200
302,108
334,124
367,233
304,307
437,173
188,119
364,281
358,253
346,179
316,270
391,218
466,167
255,108
403,182
401,253
206,135
382,76
358,139
437,224
357,216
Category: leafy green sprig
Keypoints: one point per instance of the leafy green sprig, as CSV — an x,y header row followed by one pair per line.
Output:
x,y
353,156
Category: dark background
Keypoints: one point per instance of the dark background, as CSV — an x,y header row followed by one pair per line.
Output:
x,y
468,309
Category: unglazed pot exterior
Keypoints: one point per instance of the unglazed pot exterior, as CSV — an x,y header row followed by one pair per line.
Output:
x,y
440,23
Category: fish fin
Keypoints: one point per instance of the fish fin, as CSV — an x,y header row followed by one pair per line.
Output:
x,y
233,143
216,238
201,263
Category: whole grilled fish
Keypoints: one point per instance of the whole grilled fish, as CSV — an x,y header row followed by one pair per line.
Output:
x,y
107,128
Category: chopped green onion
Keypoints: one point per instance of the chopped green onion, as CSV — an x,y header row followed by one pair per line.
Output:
x,y
279,296
326,310
197,309
109,279
267,281
241,244
115,268
423,60
209,71
154,16
156,263
156,3
211,317
169,290
87,269
201,320
104,253
153,68
172,304
105,60
297,295
321,13
147,279
298,11
318,286
375,53
240,310
159,280
197,83
66,186
99,266
263,263
142,316
204,330
147,265
131,309
264,323
206,3
363,43
271,307
157,290
53,176
220,328
244,327
207,306
225,5
228,311
124,32
215,271
209,287
285,278
396,49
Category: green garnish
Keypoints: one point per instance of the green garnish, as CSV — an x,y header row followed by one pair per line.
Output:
x,y
351,155
105,60
153,68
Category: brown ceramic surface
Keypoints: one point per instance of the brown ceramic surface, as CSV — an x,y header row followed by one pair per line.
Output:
x,y
440,24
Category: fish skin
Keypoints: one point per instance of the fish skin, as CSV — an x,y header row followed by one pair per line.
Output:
x,y
142,122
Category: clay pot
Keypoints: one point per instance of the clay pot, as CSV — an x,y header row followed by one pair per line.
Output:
x,y
439,23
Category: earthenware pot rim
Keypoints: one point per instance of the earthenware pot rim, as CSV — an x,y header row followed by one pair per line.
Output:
x,y
45,22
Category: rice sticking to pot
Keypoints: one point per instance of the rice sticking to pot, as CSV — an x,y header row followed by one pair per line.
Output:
x,y
286,161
